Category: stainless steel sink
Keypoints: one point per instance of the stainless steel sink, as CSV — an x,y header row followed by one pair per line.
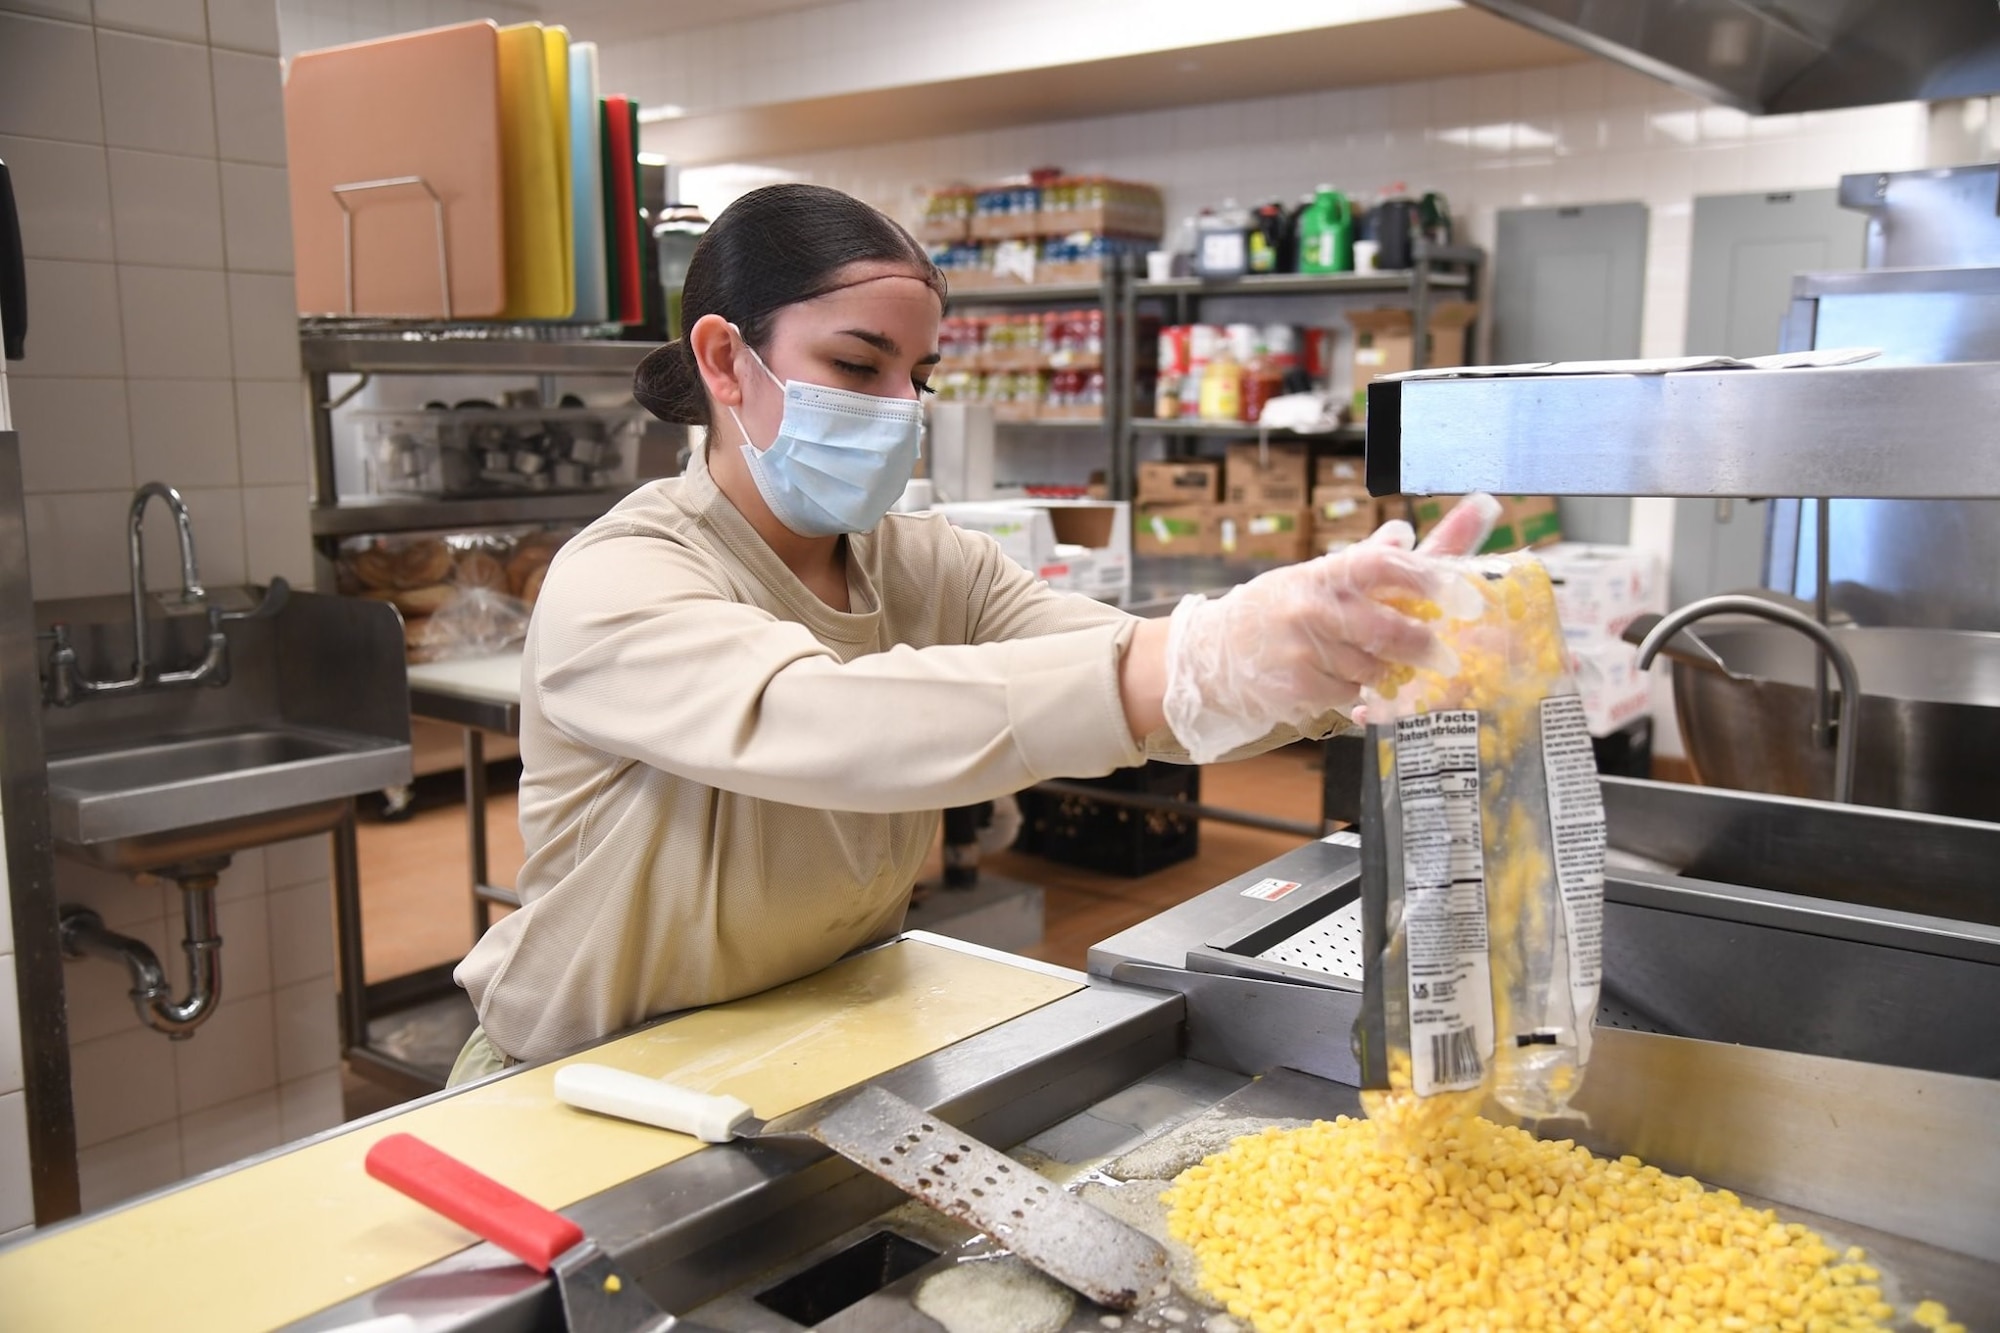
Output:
x,y
127,808
316,712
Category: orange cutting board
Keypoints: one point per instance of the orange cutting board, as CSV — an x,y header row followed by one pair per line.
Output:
x,y
425,104
538,280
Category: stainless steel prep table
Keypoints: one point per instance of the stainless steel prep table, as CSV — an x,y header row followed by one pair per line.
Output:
x,y
1194,1017
1182,1013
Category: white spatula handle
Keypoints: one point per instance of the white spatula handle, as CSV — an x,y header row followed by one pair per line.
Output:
x,y
650,1101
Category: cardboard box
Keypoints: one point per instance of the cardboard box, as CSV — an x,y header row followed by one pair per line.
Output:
x,y
1351,472
1602,589
1179,483
1077,545
1384,345
1258,532
1273,476
1341,513
1607,675
1175,530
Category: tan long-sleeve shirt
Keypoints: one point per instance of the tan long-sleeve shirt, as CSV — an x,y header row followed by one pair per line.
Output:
x,y
728,784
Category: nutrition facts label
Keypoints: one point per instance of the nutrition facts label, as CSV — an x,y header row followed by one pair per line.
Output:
x,y
1576,829
1444,904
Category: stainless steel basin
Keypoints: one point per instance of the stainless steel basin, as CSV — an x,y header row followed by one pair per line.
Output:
x,y
315,713
1929,717
212,795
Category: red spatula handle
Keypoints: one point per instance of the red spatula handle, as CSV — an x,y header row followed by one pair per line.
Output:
x,y
479,1203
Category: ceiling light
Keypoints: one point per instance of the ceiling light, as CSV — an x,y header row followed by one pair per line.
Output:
x,y
649,115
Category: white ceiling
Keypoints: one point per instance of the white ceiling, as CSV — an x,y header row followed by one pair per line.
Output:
x,y
631,20
1443,44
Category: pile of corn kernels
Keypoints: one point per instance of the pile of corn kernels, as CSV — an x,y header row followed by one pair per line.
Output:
x,y
1468,1224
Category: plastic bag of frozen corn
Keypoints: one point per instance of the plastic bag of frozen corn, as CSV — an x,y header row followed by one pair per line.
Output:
x,y
1482,867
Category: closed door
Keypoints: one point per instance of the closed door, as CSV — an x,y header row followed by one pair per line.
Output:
x,y
1747,250
1568,285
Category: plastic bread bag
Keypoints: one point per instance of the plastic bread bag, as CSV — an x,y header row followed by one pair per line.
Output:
x,y
1482,868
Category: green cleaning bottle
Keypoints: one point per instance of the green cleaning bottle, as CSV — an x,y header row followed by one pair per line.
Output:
x,y
1326,234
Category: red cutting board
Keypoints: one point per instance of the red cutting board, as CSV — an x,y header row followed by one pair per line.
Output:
x,y
622,170
423,104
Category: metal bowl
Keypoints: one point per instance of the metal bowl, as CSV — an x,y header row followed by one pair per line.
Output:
x,y
1930,717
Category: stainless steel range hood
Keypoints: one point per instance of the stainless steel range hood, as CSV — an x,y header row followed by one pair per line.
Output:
x,y
1768,56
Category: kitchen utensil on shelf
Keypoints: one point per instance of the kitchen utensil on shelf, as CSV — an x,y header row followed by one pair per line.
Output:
x,y
1078,1245
596,1297
535,196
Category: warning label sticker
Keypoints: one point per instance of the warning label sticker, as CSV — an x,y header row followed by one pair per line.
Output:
x,y
1270,890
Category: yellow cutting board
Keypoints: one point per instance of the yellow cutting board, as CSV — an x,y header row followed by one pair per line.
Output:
x,y
536,279
555,41
263,1246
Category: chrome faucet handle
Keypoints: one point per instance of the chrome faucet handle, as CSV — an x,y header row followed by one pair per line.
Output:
x,y
276,594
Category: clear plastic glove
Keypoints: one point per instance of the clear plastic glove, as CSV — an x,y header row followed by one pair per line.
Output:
x,y
1295,643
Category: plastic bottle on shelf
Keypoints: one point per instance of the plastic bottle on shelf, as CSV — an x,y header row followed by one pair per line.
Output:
x,y
1222,387
1326,234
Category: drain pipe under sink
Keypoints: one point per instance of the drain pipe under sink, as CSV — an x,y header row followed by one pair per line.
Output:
x,y
84,934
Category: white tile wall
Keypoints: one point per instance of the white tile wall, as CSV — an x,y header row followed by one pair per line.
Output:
x,y
48,80
249,108
62,191
309,1105
121,1168
244,25
176,322
257,218
271,439
163,18
75,545
156,94
307,25
17,1201
166,259
264,325
230,1132
233,1057
10,1029
301,933
123,1083
166,209
76,329
75,433
61,9
184,431
277,539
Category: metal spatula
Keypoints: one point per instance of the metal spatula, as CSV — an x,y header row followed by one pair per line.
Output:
x,y
1074,1243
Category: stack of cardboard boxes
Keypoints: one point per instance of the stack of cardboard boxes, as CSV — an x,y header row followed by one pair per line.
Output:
x,y
1599,591
1269,502
1251,506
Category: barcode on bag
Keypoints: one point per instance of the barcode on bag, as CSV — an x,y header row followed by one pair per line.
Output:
x,y
1455,1058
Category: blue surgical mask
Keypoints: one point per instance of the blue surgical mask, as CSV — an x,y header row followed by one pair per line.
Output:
x,y
841,458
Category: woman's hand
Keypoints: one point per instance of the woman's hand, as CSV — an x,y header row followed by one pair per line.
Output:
x,y
1297,642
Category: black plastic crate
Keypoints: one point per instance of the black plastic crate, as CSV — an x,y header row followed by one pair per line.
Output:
x,y
1114,839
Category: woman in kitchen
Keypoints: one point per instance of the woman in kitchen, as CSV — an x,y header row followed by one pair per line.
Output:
x,y
747,691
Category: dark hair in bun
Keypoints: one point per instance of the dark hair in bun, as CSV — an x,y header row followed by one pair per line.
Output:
x,y
774,247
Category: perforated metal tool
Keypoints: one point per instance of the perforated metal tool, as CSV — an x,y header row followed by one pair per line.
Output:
x,y
1073,1242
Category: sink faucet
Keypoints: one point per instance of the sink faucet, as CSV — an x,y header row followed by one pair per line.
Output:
x,y
1845,732
66,683
192,593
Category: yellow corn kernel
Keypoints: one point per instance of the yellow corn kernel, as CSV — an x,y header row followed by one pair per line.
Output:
x,y
1426,1221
